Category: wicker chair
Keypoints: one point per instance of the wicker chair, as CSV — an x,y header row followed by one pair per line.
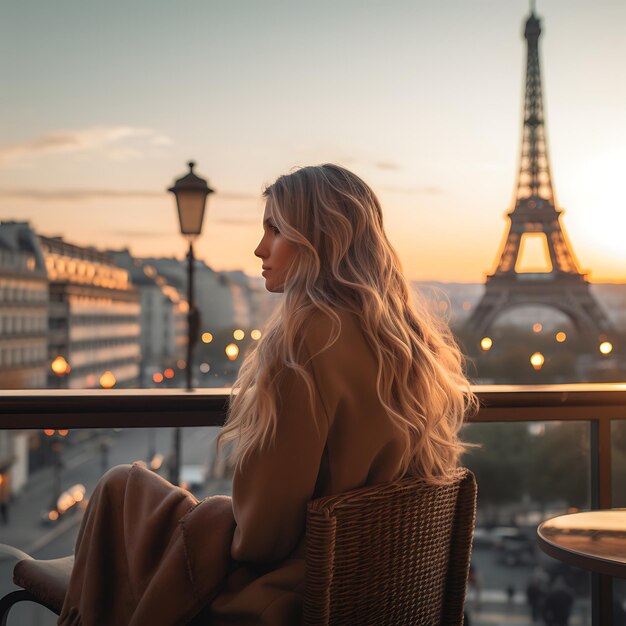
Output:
x,y
393,554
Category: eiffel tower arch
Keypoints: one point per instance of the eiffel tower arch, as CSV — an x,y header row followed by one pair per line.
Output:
x,y
535,214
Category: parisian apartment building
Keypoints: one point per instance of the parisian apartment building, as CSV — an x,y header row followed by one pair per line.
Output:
x,y
163,319
23,338
93,318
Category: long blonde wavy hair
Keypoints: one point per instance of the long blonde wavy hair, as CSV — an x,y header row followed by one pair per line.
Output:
x,y
345,261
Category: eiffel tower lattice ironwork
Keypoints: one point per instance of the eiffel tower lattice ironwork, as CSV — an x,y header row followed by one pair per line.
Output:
x,y
535,213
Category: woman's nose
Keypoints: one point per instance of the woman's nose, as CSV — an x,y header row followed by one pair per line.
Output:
x,y
260,250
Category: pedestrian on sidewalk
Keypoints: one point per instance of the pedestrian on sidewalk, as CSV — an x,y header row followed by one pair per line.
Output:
x,y
536,592
510,593
558,603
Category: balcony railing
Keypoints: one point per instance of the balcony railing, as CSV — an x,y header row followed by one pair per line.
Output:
x,y
596,404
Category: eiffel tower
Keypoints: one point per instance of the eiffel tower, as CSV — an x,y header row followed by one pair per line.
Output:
x,y
535,213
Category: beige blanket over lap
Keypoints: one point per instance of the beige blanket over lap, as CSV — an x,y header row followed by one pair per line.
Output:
x,y
143,550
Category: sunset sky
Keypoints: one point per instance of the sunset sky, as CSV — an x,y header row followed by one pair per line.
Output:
x,y
104,103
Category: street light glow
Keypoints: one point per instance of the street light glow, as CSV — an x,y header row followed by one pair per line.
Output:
x,y
232,351
537,360
107,380
606,347
60,366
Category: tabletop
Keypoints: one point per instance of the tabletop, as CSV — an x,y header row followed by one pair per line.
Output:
x,y
592,540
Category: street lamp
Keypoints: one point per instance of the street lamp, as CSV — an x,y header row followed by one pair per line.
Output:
x,y
191,193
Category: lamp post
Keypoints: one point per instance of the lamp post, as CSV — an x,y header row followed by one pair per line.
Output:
x,y
191,193
56,449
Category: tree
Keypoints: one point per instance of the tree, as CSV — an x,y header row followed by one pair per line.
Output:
x,y
500,463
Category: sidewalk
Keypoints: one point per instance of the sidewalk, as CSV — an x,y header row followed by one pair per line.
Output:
x,y
25,529
495,609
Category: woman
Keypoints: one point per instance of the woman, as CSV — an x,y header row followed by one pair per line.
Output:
x,y
350,385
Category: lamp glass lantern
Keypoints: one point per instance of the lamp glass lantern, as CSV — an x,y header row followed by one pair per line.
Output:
x,y
191,193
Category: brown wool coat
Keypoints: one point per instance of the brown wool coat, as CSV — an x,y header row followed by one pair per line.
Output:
x,y
346,441
149,553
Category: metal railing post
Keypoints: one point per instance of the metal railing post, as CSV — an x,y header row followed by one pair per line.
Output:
x,y
601,498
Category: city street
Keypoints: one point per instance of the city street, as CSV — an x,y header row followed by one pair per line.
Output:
x,y
84,463
492,605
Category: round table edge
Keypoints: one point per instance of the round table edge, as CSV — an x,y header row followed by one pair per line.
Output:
x,y
582,561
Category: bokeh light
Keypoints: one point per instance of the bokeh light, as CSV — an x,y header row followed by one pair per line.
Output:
x,y
606,347
560,336
255,334
537,360
60,366
207,337
232,351
107,380
486,343
239,334
157,377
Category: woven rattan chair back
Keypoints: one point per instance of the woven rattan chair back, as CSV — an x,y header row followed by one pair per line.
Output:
x,y
394,554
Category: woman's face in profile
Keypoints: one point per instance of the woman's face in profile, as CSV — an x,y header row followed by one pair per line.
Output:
x,y
275,251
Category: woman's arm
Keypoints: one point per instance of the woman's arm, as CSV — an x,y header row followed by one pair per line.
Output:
x,y
271,491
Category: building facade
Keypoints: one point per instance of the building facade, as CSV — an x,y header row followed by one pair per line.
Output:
x,y
94,317
23,309
163,319
23,339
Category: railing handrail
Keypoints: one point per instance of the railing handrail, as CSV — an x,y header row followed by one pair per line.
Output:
x,y
140,408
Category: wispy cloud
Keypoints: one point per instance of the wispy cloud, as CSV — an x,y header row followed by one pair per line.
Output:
x,y
72,195
430,190
112,142
141,234
81,195
387,165
243,220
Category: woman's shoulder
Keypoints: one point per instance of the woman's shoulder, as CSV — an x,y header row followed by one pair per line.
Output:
x,y
323,329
